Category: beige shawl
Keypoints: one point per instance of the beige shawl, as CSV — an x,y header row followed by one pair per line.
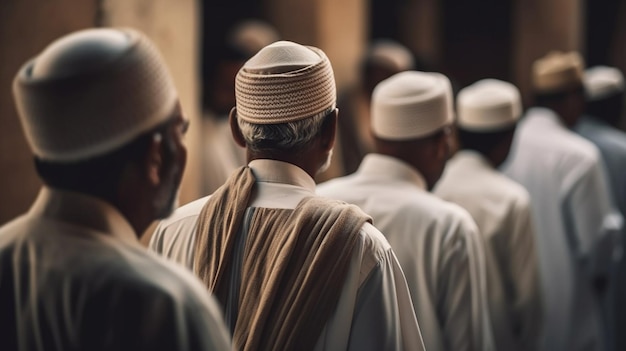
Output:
x,y
293,268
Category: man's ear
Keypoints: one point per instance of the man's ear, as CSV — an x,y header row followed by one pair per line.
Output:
x,y
329,128
234,128
153,160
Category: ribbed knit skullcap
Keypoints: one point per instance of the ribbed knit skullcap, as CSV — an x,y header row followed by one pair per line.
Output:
x,y
285,82
488,105
558,72
391,55
602,82
411,105
91,92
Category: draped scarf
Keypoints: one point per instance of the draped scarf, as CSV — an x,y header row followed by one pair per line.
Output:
x,y
293,267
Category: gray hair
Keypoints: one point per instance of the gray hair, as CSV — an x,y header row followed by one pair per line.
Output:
x,y
284,136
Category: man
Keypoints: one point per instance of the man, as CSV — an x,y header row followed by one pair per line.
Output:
x,y
382,59
437,243
604,91
101,115
487,113
570,200
293,271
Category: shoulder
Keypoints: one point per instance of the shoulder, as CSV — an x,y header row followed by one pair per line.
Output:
x,y
175,235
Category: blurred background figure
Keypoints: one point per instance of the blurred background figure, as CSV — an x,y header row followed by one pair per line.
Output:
x,y
576,225
437,242
220,154
103,119
382,59
487,114
604,91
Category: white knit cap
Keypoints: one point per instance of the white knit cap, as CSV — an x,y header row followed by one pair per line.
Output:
x,y
602,82
391,54
558,72
285,82
488,105
411,105
91,92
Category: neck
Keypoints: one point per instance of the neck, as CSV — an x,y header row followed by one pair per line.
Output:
x,y
302,158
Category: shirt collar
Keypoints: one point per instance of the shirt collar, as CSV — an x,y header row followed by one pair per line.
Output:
x,y
85,211
273,171
383,166
545,114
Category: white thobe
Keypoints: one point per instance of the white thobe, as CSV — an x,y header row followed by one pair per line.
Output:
x,y
73,276
501,209
612,145
437,244
574,221
374,309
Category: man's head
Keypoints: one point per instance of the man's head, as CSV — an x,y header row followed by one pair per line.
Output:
x,y
285,108
487,113
558,84
383,59
411,117
604,91
101,114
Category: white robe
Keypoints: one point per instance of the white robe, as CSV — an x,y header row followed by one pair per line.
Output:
x,y
374,309
575,225
501,209
73,276
437,244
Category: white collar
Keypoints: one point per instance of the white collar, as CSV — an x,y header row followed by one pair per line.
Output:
x,y
383,166
273,171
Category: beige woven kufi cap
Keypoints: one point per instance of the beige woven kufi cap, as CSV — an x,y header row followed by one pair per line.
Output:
x,y
91,92
488,105
558,72
285,82
411,105
602,82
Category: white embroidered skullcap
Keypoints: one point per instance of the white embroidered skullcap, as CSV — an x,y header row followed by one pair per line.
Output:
x,y
391,54
252,35
488,105
558,72
410,105
91,92
602,82
285,82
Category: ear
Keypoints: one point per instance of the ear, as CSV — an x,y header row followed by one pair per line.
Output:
x,y
329,128
234,128
153,161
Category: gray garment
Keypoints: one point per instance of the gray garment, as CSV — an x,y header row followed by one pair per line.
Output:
x,y
73,276
612,145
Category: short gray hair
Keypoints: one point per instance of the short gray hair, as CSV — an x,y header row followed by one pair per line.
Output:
x,y
285,136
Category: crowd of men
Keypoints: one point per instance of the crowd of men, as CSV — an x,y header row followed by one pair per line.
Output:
x,y
463,222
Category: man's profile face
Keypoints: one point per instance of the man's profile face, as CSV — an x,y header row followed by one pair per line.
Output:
x,y
174,160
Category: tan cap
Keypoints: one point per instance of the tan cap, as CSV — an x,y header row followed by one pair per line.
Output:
x,y
488,105
602,82
411,105
91,92
558,72
285,82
